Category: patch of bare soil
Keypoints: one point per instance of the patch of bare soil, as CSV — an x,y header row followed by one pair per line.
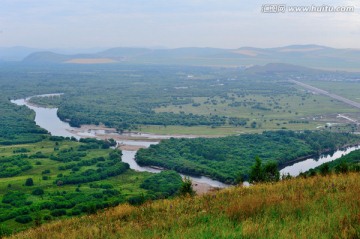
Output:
x,y
202,188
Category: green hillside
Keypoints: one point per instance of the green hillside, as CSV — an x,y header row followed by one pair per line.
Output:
x,y
296,208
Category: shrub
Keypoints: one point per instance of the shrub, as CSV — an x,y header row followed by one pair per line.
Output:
x,y
38,192
324,169
4,231
29,182
23,219
47,217
343,167
58,212
47,171
75,212
136,200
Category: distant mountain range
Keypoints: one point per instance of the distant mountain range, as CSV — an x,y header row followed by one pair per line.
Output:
x,y
18,53
314,56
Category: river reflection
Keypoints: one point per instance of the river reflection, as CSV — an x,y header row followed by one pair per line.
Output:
x,y
305,165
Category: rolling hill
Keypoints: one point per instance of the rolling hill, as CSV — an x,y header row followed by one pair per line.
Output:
x,y
313,56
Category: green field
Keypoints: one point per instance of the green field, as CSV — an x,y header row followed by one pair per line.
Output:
x,y
301,111
347,89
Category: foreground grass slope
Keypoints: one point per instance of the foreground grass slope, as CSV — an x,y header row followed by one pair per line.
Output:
x,y
317,207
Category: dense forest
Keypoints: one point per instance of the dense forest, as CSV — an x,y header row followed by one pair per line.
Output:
x,y
228,159
17,124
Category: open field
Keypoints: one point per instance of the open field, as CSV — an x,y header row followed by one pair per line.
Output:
x,y
347,89
302,111
206,131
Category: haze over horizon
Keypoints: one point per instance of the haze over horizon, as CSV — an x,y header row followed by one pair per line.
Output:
x,y
173,24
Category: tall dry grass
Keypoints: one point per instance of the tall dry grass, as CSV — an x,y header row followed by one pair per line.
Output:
x,y
318,207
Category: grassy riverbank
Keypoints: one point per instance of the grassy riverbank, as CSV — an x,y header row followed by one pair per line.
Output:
x,y
317,207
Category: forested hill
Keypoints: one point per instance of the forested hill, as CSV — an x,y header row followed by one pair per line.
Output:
x,y
226,159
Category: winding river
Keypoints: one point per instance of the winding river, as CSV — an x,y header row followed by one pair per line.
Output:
x,y
47,118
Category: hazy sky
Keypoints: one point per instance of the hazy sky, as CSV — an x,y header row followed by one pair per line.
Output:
x,y
170,23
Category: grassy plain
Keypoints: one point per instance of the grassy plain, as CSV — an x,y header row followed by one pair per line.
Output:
x,y
297,208
301,111
347,89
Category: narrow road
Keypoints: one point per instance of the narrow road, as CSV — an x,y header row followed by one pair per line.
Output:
x,y
323,92
347,118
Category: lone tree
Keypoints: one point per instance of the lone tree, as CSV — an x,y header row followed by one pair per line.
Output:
x,y
271,172
186,188
29,182
257,173
325,169
267,173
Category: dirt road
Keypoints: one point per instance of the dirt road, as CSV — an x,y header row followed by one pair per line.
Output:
x,y
323,92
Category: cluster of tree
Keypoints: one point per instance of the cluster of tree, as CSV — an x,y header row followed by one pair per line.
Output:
x,y
91,143
76,166
163,185
234,121
105,168
68,155
225,158
21,150
14,165
61,138
92,175
124,120
16,205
